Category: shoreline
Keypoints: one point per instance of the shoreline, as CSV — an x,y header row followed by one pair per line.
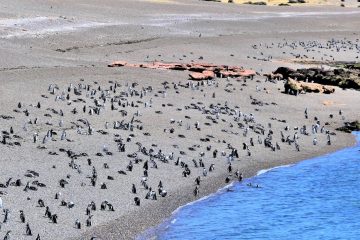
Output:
x,y
322,162
145,221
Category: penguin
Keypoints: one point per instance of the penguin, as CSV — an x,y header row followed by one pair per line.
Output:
x,y
204,172
28,230
230,168
57,195
77,224
35,137
103,205
6,217
212,167
133,189
277,146
7,235
47,211
41,203
196,191
111,207
54,218
22,216
92,206
163,193
240,178
137,201
70,204
88,221
197,180
227,179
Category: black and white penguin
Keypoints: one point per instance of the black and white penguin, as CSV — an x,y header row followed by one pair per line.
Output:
x,y
196,191
133,189
28,230
22,216
137,201
77,224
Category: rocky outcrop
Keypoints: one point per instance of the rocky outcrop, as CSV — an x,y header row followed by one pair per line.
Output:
x,y
347,76
350,127
295,87
198,71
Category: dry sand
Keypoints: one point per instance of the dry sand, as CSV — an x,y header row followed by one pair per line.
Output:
x,y
63,42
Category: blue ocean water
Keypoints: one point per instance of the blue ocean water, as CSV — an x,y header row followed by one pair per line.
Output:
x,y
314,199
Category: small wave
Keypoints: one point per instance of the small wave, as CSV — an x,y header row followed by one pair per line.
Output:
x,y
220,190
270,169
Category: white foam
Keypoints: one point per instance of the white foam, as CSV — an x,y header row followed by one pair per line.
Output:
x,y
270,169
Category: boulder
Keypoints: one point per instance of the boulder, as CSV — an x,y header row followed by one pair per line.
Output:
x,y
350,127
295,87
285,71
197,76
208,74
311,87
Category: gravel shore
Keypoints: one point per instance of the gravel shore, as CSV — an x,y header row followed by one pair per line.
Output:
x,y
57,46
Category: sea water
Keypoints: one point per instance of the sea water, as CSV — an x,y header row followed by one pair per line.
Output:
x,y
314,199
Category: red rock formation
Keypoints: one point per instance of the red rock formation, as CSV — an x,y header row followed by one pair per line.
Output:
x,y
199,71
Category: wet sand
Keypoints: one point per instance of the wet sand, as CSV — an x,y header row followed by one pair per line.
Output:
x,y
67,43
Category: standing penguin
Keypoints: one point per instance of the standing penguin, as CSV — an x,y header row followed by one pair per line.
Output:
x,y
133,190
6,217
22,216
196,191
88,221
77,224
229,168
28,230
7,235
